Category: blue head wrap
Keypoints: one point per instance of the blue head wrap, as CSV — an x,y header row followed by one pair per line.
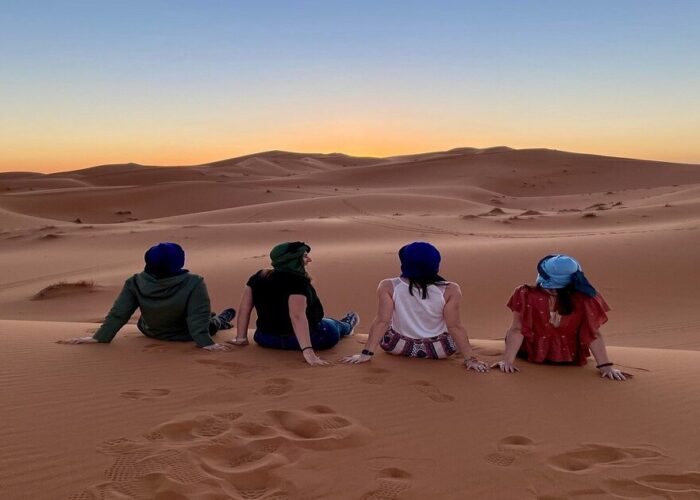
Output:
x,y
559,271
419,260
165,260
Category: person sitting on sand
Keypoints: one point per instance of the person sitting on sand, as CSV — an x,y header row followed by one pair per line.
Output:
x,y
558,319
290,314
418,313
174,303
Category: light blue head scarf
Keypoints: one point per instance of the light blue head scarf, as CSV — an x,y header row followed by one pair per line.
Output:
x,y
559,271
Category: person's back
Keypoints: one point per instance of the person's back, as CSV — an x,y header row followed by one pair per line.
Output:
x,y
174,303
418,312
415,316
271,291
558,320
167,305
290,314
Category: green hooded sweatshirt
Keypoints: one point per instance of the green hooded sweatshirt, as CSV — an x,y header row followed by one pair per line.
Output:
x,y
172,308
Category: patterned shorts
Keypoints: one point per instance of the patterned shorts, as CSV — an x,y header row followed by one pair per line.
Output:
x,y
440,347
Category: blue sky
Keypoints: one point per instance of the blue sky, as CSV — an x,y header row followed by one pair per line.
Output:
x,y
185,82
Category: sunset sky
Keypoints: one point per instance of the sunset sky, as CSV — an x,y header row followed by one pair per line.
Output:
x,y
176,82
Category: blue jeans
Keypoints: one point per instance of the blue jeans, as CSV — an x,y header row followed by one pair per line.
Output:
x,y
324,335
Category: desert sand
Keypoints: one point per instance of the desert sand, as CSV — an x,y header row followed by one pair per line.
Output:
x,y
140,419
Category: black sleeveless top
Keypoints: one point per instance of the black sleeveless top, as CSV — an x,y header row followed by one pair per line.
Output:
x,y
271,291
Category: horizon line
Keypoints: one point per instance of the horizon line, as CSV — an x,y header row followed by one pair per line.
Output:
x,y
269,151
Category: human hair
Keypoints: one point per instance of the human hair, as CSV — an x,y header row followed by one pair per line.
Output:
x,y
422,284
565,302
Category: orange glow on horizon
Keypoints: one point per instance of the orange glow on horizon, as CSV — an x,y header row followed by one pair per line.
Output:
x,y
61,163
378,139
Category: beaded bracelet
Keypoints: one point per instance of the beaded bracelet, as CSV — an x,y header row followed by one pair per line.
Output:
x,y
604,365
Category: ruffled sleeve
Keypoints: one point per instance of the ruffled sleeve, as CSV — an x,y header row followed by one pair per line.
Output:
x,y
518,303
594,311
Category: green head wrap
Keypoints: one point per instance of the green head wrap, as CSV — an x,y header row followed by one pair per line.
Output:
x,y
289,257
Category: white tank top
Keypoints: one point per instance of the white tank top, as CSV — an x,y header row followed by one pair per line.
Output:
x,y
414,316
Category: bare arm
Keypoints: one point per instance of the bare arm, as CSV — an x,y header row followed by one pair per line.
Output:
x,y
244,311
381,323
514,339
453,297
600,353
297,315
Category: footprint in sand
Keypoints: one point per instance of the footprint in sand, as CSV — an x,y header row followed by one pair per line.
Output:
x,y
688,482
509,448
596,455
391,483
583,494
136,465
318,427
277,387
255,430
686,485
432,392
229,415
629,488
500,459
220,455
119,446
516,445
375,376
154,436
82,496
145,393
193,428
239,455
261,482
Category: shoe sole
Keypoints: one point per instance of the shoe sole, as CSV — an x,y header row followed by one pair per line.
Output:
x,y
352,332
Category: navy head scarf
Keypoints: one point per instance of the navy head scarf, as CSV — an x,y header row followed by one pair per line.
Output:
x,y
165,260
420,260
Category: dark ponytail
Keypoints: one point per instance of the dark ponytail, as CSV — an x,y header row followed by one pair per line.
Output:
x,y
423,283
565,302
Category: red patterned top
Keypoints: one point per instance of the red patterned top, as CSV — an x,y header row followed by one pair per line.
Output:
x,y
567,343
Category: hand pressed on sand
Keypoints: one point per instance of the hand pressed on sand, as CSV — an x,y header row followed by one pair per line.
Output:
x,y
78,340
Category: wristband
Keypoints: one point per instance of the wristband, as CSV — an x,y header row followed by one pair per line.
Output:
x,y
367,353
604,365
307,347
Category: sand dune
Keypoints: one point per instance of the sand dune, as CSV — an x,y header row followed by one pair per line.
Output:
x,y
150,420
140,419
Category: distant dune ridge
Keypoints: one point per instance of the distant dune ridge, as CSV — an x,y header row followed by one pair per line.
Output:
x,y
140,419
